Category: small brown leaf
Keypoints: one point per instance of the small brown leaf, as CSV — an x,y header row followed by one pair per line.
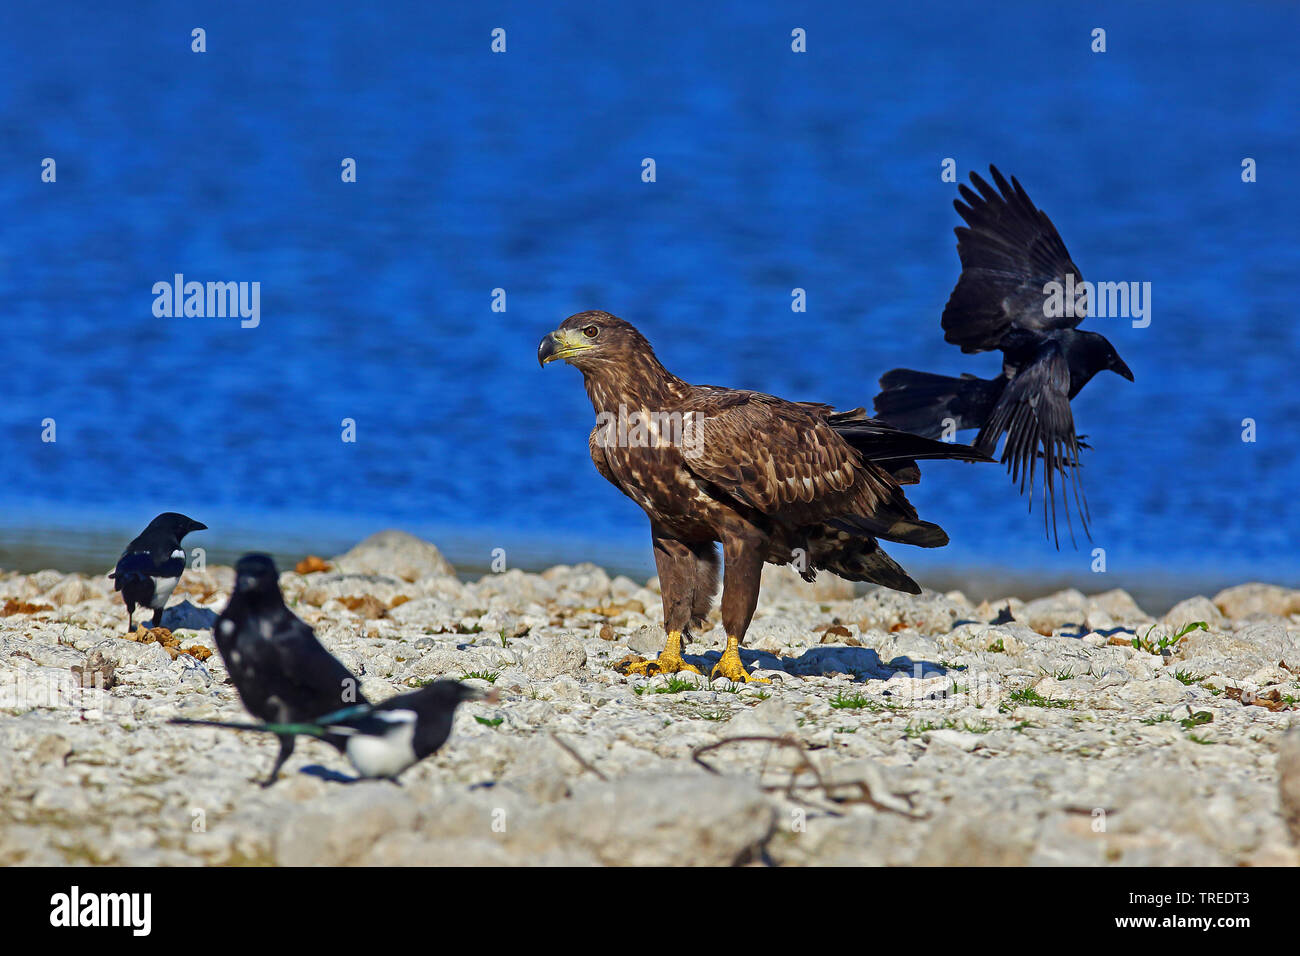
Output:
x,y
368,606
13,607
1270,700
156,635
311,565
835,631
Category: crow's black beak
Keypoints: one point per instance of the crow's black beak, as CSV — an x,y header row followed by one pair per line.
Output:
x,y
1121,369
546,350
198,526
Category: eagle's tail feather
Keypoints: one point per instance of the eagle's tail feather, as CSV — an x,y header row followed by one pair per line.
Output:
x,y
876,567
858,558
900,528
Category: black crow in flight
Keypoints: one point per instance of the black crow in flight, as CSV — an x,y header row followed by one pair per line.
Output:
x,y
1010,252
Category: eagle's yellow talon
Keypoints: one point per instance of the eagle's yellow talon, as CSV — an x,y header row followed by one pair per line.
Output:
x,y
732,668
664,664
670,660
671,665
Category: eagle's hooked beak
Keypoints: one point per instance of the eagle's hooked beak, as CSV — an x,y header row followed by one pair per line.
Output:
x,y
560,344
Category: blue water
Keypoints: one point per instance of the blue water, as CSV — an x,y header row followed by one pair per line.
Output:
x,y
522,171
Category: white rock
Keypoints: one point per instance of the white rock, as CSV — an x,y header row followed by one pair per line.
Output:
x,y
395,553
561,656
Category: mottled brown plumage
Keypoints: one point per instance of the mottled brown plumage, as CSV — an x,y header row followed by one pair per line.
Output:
x,y
774,481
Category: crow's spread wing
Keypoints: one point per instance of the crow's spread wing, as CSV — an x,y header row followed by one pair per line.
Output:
x,y
1009,252
1034,412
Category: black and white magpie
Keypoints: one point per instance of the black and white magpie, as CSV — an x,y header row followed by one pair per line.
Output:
x,y
282,672
380,740
151,565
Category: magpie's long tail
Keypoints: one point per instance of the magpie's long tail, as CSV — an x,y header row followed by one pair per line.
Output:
x,y
311,730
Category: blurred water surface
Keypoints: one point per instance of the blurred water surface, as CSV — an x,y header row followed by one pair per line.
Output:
x,y
522,171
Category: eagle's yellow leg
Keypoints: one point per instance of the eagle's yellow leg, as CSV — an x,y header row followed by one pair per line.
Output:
x,y
670,660
730,666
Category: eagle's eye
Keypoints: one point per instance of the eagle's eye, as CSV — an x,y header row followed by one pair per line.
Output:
x,y
590,331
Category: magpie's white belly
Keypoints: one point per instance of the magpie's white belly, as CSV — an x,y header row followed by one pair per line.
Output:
x,y
162,590
385,756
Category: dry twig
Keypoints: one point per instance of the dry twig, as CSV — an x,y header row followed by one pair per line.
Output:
x,y
789,790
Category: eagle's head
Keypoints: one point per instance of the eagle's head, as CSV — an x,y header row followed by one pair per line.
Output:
x,y
590,340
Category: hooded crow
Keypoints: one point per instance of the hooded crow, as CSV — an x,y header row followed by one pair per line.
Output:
x,y
279,668
1011,254
151,565
380,740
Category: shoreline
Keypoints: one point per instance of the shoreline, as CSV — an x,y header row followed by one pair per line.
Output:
x,y
27,550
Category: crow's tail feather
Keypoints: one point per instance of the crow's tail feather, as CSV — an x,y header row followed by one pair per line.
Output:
x,y
928,404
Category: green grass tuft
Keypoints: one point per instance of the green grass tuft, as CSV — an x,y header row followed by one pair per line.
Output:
x,y
1031,698
855,701
720,716
1166,641
677,684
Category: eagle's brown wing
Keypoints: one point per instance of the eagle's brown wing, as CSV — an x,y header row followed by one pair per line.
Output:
x,y
781,457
